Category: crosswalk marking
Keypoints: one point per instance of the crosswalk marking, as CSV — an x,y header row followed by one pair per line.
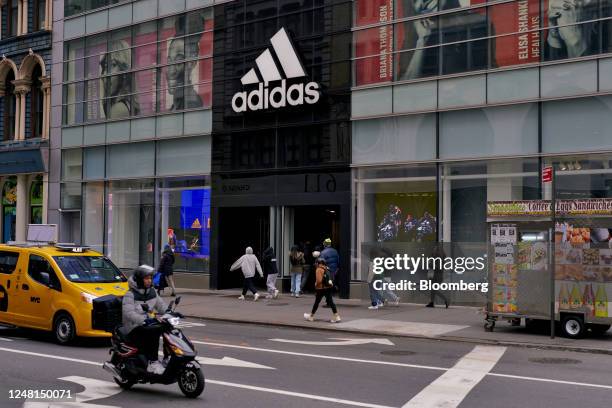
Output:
x,y
454,385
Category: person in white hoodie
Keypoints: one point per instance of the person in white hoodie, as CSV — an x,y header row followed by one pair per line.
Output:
x,y
250,266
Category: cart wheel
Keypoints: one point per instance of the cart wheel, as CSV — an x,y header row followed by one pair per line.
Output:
x,y
489,325
573,327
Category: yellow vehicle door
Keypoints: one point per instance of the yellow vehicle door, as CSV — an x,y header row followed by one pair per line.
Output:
x,y
38,287
8,265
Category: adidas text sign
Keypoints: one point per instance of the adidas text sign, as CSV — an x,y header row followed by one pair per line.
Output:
x,y
283,95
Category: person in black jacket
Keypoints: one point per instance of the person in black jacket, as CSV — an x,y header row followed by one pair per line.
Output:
x,y
270,271
166,267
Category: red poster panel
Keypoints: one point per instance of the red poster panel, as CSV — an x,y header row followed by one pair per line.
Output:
x,y
517,26
374,46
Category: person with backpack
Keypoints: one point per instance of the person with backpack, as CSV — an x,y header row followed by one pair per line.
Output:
x,y
250,267
296,258
323,289
270,272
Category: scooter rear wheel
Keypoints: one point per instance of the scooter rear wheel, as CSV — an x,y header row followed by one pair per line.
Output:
x,y
191,382
125,384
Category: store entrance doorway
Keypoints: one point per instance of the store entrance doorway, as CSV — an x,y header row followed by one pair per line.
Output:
x,y
308,226
238,229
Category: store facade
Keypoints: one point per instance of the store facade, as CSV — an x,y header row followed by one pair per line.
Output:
x,y
455,109
281,132
135,122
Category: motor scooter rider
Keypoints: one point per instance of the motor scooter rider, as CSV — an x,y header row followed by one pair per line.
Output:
x,y
144,332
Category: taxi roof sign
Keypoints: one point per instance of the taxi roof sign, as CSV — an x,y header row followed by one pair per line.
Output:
x,y
46,233
70,247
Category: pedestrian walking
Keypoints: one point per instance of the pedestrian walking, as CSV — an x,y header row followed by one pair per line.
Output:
x,y
166,268
323,289
250,267
379,297
296,259
270,272
437,276
331,257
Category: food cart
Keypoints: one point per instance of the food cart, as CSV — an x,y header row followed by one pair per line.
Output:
x,y
525,249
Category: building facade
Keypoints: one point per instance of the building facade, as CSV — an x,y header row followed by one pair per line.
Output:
x,y
25,101
456,105
215,125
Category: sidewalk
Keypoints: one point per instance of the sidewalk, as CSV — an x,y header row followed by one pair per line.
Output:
x,y
457,323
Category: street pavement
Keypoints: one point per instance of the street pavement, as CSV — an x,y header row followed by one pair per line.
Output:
x,y
457,323
266,366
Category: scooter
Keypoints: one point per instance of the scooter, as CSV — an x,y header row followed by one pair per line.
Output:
x,y
129,367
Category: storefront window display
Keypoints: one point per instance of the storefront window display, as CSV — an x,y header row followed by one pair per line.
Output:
x,y
9,209
185,222
36,201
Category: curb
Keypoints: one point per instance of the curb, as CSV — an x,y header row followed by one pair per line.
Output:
x,y
540,346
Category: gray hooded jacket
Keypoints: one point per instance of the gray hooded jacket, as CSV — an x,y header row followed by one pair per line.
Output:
x,y
248,263
133,315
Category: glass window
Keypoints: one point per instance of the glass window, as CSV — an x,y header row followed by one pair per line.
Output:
x,y
184,156
39,14
9,209
93,212
12,18
37,104
72,164
185,221
499,131
9,107
571,41
407,138
89,269
94,162
130,213
36,201
95,49
8,261
70,194
135,159
145,45
37,266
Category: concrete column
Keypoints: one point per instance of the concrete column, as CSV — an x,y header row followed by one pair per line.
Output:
x,y
49,15
24,17
46,89
17,114
22,207
45,197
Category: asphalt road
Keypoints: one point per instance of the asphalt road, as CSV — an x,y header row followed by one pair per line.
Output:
x,y
244,366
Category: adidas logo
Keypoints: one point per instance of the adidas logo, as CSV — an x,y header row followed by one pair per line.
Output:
x,y
281,96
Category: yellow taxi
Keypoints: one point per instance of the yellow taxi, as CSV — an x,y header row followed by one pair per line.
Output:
x,y
70,290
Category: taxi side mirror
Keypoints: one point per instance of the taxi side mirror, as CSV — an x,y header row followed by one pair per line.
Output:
x,y
44,279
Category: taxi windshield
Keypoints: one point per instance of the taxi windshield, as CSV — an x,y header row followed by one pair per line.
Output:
x,y
89,269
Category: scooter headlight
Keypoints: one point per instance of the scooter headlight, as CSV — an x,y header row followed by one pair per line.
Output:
x,y
174,321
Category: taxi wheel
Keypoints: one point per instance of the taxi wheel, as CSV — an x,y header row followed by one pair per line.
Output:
x,y
64,328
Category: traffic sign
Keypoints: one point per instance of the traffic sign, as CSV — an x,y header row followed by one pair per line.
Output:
x,y
547,174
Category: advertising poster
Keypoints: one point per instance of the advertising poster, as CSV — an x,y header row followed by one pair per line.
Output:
x,y
373,46
406,217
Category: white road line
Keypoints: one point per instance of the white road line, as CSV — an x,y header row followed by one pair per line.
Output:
x,y
453,386
298,394
5,339
293,353
30,353
211,381
579,384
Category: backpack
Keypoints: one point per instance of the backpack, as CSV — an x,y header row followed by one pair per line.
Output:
x,y
327,278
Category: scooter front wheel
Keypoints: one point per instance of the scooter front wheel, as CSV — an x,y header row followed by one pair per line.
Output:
x,y
124,384
191,382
